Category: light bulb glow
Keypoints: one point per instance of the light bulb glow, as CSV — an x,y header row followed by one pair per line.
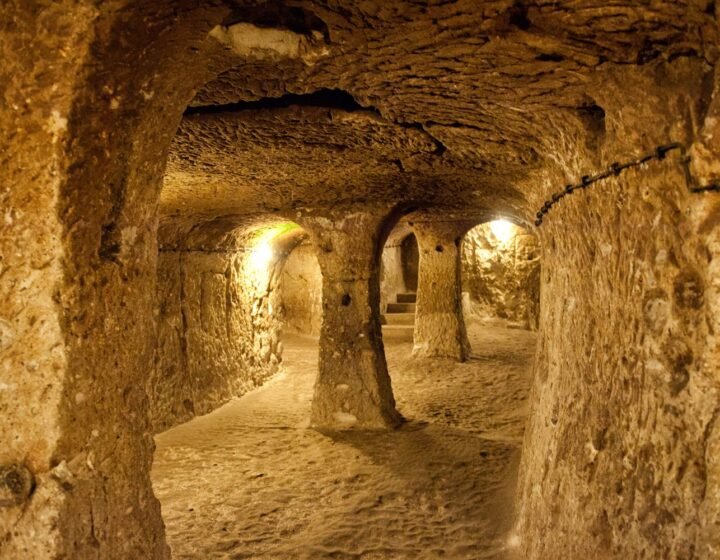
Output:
x,y
502,230
261,251
261,254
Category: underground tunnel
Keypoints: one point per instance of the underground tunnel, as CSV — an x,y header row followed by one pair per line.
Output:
x,y
359,280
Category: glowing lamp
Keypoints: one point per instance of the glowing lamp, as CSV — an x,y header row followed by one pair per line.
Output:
x,y
261,254
502,230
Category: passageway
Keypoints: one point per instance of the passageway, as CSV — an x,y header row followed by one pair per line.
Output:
x,y
250,481
189,187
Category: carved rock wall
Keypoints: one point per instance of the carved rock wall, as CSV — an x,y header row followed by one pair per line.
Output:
x,y
301,289
502,276
92,95
620,452
33,356
218,332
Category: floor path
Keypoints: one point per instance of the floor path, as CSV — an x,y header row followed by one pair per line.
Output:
x,y
251,481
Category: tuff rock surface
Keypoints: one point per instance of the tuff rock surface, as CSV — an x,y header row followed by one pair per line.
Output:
x,y
501,276
137,135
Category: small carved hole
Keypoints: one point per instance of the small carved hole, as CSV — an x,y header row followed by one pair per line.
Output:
x,y
439,248
346,299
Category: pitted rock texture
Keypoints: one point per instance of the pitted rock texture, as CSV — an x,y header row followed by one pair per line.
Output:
x,y
502,275
301,292
218,328
439,322
286,158
482,107
626,389
353,388
431,101
620,442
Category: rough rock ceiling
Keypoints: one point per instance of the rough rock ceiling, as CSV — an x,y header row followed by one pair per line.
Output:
x,y
439,102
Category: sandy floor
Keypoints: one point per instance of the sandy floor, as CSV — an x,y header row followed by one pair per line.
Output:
x,y
251,481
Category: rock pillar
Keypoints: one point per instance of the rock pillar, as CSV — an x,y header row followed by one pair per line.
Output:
x,y
353,387
439,324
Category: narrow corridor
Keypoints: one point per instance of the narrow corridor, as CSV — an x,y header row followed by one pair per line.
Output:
x,y
493,227
250,481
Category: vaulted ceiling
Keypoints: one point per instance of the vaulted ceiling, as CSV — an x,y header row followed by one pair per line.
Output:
x,y
440,102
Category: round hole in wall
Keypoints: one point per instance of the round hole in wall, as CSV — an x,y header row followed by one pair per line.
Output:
x,y
439,248
346,299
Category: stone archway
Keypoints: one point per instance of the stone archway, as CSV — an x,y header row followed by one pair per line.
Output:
x,y
101,139
219,312
625,399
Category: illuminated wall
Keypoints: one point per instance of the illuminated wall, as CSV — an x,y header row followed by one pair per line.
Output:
x,y
501,273
301,290
218,326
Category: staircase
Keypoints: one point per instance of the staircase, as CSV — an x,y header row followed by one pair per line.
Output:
x,y
401,313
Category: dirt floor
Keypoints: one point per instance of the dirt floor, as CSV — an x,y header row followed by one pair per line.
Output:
x,y
250,480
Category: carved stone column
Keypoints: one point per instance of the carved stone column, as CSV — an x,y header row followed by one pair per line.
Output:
x,y
439,324
353,387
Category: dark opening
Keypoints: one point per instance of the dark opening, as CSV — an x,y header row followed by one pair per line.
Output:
x,y
410,257
326,98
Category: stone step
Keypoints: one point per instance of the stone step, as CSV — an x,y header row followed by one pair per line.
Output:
x,y
407,298
401,308
399,318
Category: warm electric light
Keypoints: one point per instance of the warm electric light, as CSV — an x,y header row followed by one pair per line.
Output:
x,y
261,251
502,230
261,254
